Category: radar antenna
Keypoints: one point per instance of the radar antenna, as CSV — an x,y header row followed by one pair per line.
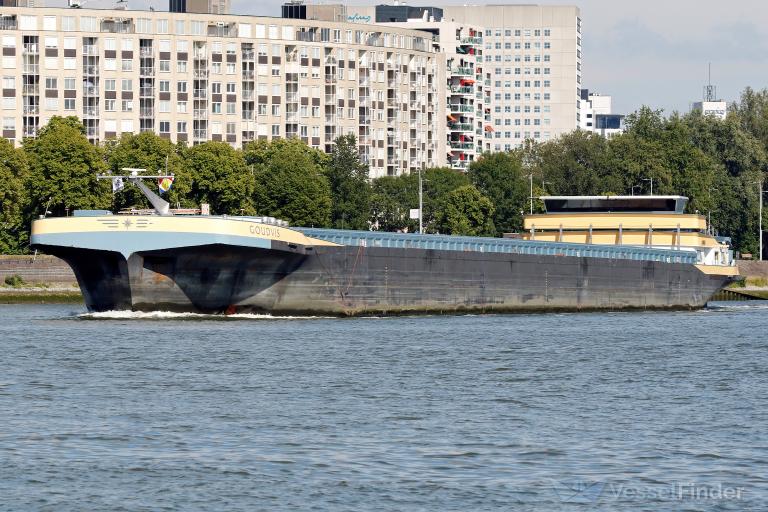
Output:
x,y
710,91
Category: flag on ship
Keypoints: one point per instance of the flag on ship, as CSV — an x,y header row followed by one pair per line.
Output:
x,y
164,184
117,184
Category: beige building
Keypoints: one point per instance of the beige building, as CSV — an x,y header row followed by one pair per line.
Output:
x,y
462,90
531,62
198,77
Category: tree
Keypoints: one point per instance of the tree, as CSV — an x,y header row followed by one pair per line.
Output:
x,y
392,198
467,212
14,227
500,177
158,156
348,181
63,169
220,178
290,183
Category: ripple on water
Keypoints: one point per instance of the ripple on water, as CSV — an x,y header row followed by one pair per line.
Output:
x,y
167,411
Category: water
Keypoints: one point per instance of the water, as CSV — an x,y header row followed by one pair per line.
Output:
x,y
624,411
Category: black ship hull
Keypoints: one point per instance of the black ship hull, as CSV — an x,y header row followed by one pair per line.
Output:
x,y
290,279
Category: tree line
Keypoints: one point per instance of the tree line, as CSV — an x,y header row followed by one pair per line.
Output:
x,y
718,164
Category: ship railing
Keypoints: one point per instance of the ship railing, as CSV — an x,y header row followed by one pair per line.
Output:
x,y
499,245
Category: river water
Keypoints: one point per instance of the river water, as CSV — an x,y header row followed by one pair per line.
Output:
x,y
596,411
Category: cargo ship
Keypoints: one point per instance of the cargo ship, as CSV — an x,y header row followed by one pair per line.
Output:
x,y
584,253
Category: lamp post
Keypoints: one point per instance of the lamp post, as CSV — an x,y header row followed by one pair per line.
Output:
x,y
651,180
634,187
530,176
421,206
760,220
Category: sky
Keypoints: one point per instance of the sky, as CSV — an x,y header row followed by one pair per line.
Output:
x,y
649,52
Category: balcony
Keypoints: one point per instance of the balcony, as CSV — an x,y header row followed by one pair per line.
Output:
x,y
146,92
462,145
90,70
90,49
30,90
330,79
247,95
460,127
200,113
330,98
248,115
249,74
90,111
31,49
455,107
459,89
292,97
365,120
200,134
31,109
200,94
200,54
330,119
471,40
248,55
146,112
8,23
31,69
90,90
117,27
146,51
200,73
461,71
29,131
146,71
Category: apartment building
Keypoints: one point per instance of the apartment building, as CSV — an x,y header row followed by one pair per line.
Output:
x,y
460,53
531,63
198,77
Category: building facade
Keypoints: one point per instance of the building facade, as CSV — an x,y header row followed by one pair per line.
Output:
x,y
531,64
596,115
191,77
461,86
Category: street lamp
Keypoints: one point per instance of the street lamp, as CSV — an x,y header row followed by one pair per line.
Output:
x,y
530,176
651,180
543,186
634,187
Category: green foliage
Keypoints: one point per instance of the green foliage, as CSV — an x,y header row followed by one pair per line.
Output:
x,y
348,181
14,281
13,199
220,178
467,212
500,177
155,154
289,182
63,170
392,197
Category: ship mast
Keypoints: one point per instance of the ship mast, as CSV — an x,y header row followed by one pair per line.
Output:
x,y
161,206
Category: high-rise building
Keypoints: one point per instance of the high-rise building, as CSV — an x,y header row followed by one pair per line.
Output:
x,y
531,64
199,6
596,115
461,82
194,78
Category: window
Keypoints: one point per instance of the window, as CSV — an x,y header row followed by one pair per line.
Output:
x,y
110,44
164,106
216,107
69,103
127,106
216,68
68,23
165,127
110,105
162,26
9,82
216,88
110,65
181,87
88,24
127,45
231,107
126,64
275,110
275,130
231,87
165,66
9,123
181,127
181,66
231,68
126,84
181,107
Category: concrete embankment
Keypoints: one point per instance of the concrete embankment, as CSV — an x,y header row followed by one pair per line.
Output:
x,y
37,279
